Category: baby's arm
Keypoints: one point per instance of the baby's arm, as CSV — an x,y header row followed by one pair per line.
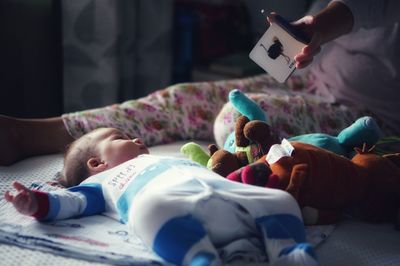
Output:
x,y
24,201
77,201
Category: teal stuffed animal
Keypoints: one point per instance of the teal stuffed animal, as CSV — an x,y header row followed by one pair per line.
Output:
x,y
247,107
253,138
363,130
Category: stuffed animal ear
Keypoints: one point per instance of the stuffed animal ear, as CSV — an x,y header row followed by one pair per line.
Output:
x,y
260,132
212,148
240,138
246,106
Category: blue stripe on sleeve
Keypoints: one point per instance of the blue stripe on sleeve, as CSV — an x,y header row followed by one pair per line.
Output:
x,y
54,207
94,198
176,237
283,226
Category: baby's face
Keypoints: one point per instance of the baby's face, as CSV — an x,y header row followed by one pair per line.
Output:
x,y
115,147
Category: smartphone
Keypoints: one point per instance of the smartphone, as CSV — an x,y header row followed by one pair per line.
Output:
x,y
295,33
275,50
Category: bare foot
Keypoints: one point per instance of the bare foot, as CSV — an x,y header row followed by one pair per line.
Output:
x,y
9,148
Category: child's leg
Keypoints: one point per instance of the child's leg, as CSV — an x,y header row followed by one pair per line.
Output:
x,y
181,111
184,241
285,241
278,218
165,226
21,138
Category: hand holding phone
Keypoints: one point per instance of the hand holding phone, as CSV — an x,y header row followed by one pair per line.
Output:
x,y
276,49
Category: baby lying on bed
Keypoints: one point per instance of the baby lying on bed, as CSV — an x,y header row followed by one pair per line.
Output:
x,y
180,209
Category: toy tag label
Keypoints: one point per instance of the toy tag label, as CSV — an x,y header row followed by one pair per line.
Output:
x,y
275,52
277,151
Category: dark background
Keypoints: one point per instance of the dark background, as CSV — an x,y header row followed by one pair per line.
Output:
x,y
30,58
31,55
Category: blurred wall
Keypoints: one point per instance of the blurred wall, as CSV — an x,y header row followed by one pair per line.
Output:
x,y
115,50
67,55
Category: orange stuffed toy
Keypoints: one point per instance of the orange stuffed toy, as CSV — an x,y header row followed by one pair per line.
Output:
x,y
325,184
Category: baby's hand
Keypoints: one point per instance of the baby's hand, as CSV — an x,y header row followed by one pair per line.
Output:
x,y
24,201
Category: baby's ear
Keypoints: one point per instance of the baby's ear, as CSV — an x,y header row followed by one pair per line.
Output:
x,y
96,165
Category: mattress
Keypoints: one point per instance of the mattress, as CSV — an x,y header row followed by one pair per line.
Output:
x,y
351,242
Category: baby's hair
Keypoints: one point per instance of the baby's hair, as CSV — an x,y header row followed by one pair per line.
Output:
x,y
75,161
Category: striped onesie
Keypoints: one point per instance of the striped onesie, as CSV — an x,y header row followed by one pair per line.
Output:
x,y
185,212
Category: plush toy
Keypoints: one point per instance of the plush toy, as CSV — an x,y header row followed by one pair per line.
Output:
x,y
325,184
195,153
252,138
246,107
363,130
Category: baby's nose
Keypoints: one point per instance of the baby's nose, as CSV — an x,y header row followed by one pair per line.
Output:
x,y
137,141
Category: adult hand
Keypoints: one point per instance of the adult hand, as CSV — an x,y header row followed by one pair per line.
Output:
x,y
308,26
24,200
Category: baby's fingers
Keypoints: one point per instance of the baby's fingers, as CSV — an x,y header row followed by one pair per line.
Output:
x,y
23,202
8,196
18,186
22,197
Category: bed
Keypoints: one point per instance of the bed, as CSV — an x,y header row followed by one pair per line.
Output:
x,y
351,242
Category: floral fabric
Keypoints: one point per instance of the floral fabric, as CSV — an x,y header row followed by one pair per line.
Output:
x,y
199,110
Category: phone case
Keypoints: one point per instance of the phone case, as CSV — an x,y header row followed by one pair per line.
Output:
x,y
275,50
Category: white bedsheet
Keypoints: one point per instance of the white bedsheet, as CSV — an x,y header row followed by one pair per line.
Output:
x,y
352,242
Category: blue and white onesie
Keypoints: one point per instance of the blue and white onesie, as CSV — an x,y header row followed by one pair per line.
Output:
x,y
185,212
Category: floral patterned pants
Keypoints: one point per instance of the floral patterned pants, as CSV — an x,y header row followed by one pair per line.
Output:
x,y
199,111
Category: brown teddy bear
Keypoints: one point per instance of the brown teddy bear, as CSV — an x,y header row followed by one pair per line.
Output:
x,y
253,140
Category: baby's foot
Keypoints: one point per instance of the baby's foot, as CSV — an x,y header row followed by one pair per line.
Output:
x,y
9,138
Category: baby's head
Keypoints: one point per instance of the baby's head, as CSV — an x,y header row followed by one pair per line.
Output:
x,y
97,151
